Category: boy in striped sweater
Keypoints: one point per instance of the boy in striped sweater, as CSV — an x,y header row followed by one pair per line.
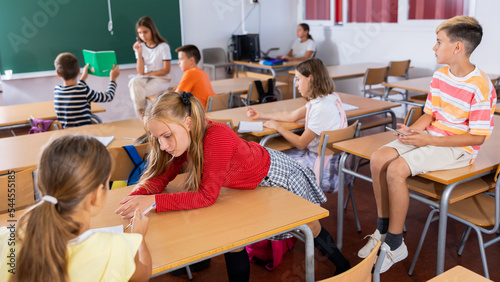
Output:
x,y
458,119
72,99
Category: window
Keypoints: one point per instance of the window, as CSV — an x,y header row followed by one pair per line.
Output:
x,y
319,12
435,9
372,11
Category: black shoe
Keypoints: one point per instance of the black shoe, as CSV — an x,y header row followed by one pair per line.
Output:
x,y
194,267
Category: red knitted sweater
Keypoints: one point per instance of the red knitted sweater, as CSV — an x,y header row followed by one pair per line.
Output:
x,y
229,161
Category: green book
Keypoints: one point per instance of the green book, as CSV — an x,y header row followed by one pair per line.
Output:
x,y
100,62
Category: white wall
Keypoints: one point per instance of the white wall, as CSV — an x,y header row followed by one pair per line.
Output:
x,y
211,23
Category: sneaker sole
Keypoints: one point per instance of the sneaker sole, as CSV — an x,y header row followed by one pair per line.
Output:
x,y
398,259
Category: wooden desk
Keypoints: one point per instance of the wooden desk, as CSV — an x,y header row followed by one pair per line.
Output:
x,y
272,69
367,107
421,85
235,85
23,151
238,218
459,273
345,71
18,115
485,163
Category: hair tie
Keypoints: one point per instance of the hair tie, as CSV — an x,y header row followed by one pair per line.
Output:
x,y
185,98
49,199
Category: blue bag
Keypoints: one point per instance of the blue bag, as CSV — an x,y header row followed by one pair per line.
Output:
x,y
140,164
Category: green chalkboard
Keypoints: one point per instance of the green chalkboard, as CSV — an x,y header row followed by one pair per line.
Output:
x,y
34,32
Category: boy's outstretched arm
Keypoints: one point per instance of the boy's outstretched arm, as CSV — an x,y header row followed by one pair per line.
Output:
x,y
85,72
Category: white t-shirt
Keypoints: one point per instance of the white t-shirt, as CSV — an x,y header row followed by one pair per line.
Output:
x,y
300,48
322,115
154,57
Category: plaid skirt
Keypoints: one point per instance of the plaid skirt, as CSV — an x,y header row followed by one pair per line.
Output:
x,y
287,173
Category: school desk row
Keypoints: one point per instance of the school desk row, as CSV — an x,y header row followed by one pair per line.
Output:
x,y
180,238
441,184
22,151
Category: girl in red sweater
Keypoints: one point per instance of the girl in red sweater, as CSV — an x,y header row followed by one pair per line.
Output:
x,y
216,157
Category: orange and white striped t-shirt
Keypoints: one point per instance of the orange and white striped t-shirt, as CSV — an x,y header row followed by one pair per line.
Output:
x,y
461,104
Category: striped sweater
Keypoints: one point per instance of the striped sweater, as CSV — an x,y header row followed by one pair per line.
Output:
x,y
228,161
72,103
461,105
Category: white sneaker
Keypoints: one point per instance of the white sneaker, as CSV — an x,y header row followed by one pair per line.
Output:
x,y
391,257
372,242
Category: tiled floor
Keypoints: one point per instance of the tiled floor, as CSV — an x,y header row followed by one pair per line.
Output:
x,y
292,266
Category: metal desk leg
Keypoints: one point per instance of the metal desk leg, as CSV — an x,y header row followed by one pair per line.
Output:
x,y
294,88
309,242
443,221
340,200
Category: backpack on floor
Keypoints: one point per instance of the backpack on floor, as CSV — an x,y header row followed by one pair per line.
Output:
x,y
140,164
268,252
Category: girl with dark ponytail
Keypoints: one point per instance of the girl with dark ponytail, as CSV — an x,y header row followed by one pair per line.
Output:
x,y
303,47
53,237
216,157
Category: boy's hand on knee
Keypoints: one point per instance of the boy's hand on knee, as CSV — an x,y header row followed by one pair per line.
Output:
x,y
417,138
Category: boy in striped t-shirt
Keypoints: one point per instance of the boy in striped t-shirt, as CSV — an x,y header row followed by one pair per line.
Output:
x,y
458,119
72,99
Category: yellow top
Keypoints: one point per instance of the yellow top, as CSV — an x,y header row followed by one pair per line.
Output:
x,y
93,256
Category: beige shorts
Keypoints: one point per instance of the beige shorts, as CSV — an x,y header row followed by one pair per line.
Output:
x,y
431,158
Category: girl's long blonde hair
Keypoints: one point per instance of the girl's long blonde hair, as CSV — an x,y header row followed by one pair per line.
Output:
x,y
170,108
71,167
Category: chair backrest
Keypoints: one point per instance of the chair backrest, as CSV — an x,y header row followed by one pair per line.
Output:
x,y
214,55
253,93
122,164
218,102
399,68
229,122
413,114
361,272
338,135
375,76
23,183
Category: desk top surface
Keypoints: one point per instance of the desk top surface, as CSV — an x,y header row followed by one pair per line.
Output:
x,y
23,151
20,114
421,84
366,106
487,159
287,64
237,218
350,70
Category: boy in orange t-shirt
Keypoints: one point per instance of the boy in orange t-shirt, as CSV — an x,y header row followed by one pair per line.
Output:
x,y
194,80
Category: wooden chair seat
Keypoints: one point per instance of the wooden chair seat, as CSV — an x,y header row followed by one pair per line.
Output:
x,y
434,190
479,210
279,144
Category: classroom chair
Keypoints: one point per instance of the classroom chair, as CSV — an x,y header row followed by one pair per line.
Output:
x,y
122,164
327,138
413,115
214,58
23,183
376,76
477,212
268,92
219,102
399,68
362,272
